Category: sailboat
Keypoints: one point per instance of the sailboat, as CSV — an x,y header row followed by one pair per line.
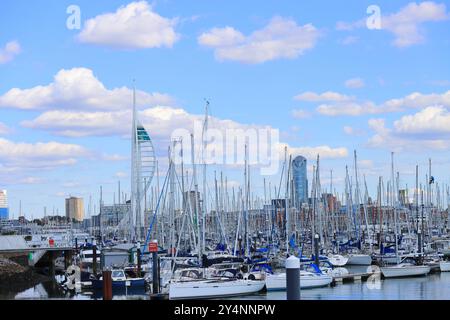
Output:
x,y
403,269
196,283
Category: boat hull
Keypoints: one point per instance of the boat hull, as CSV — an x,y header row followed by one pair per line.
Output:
x,y
213,289
120,284
408,271
337,260
278,282
444,266
359,260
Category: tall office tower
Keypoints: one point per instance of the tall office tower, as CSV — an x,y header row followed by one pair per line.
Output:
x,y
300,180
75,208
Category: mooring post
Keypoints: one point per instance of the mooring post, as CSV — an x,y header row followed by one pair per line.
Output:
x,y
67,258
139,260
155,272
293,278
316,249
51,268
94,257
107,285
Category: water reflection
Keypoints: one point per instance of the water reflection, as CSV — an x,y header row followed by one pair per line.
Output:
x,y
432,287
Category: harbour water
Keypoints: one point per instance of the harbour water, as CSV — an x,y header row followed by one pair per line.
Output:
x,y
431,287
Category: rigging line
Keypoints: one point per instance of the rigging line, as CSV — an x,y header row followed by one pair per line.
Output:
x,y
156,211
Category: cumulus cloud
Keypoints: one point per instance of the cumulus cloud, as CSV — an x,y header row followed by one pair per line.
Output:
x,y
354,83
324,152
9,52
76,89
349,109
133,26
431,121
40,155
280,39
414,100
407,24
415,136
328,96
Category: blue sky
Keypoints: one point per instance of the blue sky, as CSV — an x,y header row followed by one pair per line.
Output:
x,y
406,60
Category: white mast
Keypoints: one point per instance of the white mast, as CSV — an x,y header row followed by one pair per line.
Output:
x,y
134,182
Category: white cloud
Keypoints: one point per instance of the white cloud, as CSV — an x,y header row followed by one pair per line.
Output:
x,y
407,24
161,123
414,139
280,39
132,26
218,37
40,155
325,152
4,129
300,114
9,52
78,89
432,121
348,109
355,83
414,100
328,96
352,131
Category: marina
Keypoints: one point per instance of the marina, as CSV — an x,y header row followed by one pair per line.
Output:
x,y
433,287
169,243
157,151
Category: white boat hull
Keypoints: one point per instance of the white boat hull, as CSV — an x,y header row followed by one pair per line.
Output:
x,y
444,266
359,260
277,282
404,271
337,260
213,288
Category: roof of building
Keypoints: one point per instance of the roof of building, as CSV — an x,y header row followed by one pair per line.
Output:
x,y
11,243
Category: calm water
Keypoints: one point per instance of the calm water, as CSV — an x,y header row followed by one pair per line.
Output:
x,y
432,287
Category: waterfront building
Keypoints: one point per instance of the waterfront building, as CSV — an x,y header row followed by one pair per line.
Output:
x,y
75,208
299,172
4,210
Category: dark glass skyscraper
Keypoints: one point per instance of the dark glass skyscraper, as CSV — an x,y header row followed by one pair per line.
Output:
x,y
300,180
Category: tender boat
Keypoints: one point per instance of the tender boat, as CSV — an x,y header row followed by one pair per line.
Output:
x,y
405,270
277,282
